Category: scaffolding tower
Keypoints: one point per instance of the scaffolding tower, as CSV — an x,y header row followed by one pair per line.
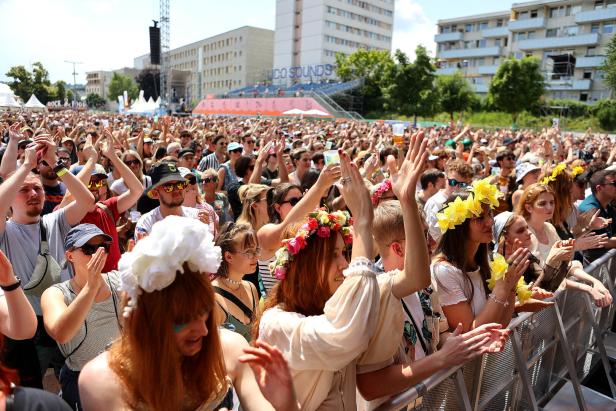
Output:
x,y
164,53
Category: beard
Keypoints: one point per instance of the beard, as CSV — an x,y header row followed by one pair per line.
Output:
x,y
50,176
34,210
174,201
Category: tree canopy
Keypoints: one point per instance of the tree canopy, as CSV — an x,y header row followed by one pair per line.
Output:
x,y
455,94
517,85
609,66
119,83
25,83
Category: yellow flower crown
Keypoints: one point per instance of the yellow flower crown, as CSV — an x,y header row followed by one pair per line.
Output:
x,y
498,269
457,211
559,169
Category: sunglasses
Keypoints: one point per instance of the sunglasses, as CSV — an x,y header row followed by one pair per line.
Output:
x,y
169,187
292,201
192,180
613,183
131,162
210,180
95,184
237,150
89,249
453,183
63,159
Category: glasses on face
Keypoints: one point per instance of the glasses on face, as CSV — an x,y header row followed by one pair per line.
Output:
x,y
210,180
65,160
251,253
293,201
89,249
131,162
222,144
169,187
237,150
455,183
610,183
95,184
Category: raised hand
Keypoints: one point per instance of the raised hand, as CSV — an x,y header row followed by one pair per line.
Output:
x,y
590,241
88,149
518,263
7,277
15,133
30,156
353,189
460,348
404,180
95,267
328,176
272,375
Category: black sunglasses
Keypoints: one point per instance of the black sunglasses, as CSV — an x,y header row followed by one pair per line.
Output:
x,y
89,249
453,183
293,201
237,150
210,180
131,162
191,180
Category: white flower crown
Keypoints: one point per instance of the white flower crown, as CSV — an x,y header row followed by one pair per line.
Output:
x,y
155,260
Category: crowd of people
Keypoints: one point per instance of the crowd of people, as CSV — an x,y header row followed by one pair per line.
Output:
x,y
200,263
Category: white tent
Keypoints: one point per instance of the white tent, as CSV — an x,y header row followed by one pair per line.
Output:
x,y
294,112
7,98
141,106
34,104
315,112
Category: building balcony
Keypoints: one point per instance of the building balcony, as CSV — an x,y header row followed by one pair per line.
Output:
x,y
464,53
446,71
495,32
593,61
568,85
559,42
480,88
444,37
592,16
527,24
487,69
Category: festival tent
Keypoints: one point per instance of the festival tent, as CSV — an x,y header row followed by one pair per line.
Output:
x,y
34,104
315,112
141,106
294,112
7,98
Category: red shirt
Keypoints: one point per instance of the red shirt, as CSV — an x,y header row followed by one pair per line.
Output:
x,y
101,219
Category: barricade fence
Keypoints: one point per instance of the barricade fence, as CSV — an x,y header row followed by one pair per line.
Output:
x,y
542,365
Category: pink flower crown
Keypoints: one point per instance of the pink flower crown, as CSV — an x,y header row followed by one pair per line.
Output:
x,y
320,222
380,190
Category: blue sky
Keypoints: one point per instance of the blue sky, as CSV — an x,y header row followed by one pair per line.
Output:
x,y
108,34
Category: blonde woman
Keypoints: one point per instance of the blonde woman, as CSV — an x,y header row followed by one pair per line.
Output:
x,y
133,160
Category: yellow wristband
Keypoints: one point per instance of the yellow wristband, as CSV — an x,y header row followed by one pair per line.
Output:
x,y
61,172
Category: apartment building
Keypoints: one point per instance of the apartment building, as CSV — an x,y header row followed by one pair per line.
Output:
x,y
569,38
309,34
97,82
218,64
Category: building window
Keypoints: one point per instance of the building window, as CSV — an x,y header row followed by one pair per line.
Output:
x,y
591,51
499,23
497,42
587,75
571,30
445,29
531,35
595,28
551,32
481,43
534,13
520,36
468,27
483,25
608,27
523,15
583,96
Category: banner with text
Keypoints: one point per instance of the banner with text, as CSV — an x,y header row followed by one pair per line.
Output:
x,y
257,106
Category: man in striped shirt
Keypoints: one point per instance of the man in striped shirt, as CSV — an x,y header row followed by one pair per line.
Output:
x,y
218,157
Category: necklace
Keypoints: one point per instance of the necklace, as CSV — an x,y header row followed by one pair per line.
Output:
x,y
234,282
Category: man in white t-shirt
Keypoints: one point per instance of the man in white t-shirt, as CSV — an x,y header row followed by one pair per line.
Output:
x,y
168,187
459,175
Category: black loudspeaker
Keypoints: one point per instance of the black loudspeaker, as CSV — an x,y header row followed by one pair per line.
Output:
x,y
155,45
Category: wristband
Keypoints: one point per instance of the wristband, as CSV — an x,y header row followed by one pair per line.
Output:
x,y
61,172
11,287
492,297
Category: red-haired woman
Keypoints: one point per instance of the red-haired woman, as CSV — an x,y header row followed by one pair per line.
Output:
x,y
171,354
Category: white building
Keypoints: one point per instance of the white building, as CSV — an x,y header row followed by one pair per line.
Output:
x,y
97,82
218,64
309,34
569,37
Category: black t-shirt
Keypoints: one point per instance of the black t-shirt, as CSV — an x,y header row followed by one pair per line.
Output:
x,y
53,197
234,198
33,399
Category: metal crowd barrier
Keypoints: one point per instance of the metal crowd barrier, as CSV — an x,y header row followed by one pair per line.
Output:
x,y
547,356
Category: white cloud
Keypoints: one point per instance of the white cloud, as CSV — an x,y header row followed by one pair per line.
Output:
x,y
412,27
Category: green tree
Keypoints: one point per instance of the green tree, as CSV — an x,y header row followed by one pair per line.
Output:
x,y
411,90
517,85
95,101
371,66
60,90
119,83
605,110
26,83
609,65
455,93
22,82
69,96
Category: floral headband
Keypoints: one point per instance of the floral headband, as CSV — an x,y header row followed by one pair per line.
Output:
x,y
498,269
380,190
456,212
321,223
157,258
575,171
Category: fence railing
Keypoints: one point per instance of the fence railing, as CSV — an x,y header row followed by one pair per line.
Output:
x,y
547,356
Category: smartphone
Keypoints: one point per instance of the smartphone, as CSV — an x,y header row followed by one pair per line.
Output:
x,y
105,123
331,157
328,145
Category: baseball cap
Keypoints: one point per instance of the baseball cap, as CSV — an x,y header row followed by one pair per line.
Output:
x,y
185,151
522,169
234,146
432,157
163,173
147,140
81,234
